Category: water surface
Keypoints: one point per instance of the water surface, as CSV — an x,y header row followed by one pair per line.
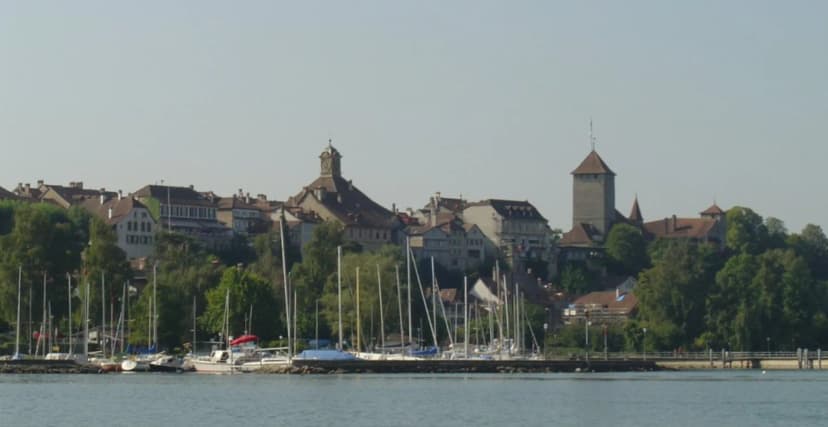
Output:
x,y
718,398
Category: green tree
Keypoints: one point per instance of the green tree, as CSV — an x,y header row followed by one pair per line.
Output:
x,y
576,279
672,294
246,291
626,249
746,231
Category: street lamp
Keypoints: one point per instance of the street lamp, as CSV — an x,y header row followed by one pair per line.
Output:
x,y
644,344
545,335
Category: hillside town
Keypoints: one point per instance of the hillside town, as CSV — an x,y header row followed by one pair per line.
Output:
x,y
460,235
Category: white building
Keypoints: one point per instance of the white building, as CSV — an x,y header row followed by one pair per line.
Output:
x,y
131,220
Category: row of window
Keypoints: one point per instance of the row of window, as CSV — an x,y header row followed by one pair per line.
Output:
x,y
138,240
361,233
135,225
189,212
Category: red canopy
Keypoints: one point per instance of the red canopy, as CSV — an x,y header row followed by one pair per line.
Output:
x,y
244,339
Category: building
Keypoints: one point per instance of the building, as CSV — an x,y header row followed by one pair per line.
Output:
x,y
132,221
515,228
453,244
28,192
594,214
185,210
331,197
710,227
7,195
71,195
602,307
243,214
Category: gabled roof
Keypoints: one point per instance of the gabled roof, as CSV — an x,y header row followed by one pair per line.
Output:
x,y
582,234
713,210
120,208
593,164
229,203
624,303
635,213
5,194
177,195
512,209
346,202
75,195
449,203
690,228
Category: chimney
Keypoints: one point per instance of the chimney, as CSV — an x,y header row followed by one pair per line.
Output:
x,y
103,190
247,197
262,197
103,198
40,183
432,215
120,194
28,187
675,223
617,293
394,208
241,193
109,213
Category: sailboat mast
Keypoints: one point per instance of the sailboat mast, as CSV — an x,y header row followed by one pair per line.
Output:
x,y
399,305
434,297
431,326
466,317
358,327
17,325
285,278
102,333
43,330
408,280
69,289
155,306
86,324
382,322
195,343
339,290
506,314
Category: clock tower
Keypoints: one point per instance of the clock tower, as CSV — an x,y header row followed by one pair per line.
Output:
x,y
330,161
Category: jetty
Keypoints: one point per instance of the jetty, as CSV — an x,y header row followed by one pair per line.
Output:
x,y
41,366
463,366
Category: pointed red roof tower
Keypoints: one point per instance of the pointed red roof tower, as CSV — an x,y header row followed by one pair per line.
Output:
x,y
635,213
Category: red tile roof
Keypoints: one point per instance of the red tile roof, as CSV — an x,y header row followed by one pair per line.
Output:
x,y
593,164
691,228
713,210
350,205
581,235
624,303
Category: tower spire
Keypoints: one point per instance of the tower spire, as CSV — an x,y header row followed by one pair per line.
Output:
x,y
591,135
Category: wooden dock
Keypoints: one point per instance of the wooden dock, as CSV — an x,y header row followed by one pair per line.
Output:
x,y
469,366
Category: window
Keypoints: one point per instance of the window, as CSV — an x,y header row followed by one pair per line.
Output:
x,y
149,227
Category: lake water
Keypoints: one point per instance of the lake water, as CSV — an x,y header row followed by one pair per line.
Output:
x,y
714,398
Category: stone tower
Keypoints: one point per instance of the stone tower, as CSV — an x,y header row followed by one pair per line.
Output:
x,y
330,161
593,194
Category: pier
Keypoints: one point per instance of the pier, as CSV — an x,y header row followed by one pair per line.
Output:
x,y
470,366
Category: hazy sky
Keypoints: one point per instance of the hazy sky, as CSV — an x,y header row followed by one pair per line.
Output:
x,y
691,101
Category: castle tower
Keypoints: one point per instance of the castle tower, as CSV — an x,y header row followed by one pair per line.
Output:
x,y
593,194
330,161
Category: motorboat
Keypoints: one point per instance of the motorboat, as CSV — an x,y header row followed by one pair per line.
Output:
x,y
166,363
